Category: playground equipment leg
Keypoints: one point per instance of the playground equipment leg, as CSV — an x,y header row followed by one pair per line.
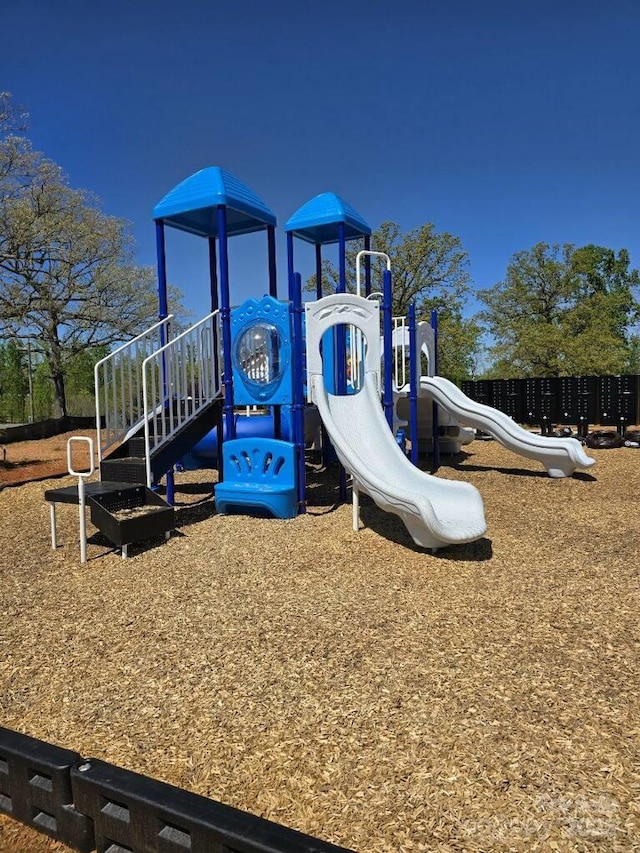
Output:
x,y
355,495
52,515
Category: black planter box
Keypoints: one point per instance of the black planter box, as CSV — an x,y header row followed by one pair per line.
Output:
x,y
131,515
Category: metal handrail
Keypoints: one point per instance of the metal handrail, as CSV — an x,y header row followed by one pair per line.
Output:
x,y
366,253
123,409
178,380
401,360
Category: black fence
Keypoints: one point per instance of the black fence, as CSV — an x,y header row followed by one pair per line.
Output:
x,y
45,429
91,805
567,400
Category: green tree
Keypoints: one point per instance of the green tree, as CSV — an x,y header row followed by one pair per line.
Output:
x,y
430,269
562,311
14,383
79,380
68,280
43,401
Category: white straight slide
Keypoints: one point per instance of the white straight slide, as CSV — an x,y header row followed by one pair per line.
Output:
x,y
436,512
560,456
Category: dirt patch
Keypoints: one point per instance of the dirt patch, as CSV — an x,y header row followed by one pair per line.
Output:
x,y
23,461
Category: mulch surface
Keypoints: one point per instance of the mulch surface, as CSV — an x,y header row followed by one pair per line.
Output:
x,y
349,684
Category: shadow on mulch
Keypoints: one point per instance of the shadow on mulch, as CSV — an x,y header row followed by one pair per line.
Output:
x,y
101,541
193,513
205,489
390,527
322,490
520,472
459,462
6,465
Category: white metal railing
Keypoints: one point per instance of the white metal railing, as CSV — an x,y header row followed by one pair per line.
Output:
x,y
118,386
178,380
400,343
357,344
364,254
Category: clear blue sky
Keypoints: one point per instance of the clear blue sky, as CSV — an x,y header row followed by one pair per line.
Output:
x,y
504,122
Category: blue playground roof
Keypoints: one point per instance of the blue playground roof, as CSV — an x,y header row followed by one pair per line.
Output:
x,y
191,205
317,221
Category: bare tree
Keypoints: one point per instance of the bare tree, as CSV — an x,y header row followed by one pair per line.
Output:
x,y
67,274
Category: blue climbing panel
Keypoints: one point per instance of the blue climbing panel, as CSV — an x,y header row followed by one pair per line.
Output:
x,y
259,473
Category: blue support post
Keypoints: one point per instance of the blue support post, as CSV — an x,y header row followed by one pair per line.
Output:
x,y
290,262
434,416
225,313
318,271
162,274
341,360
273,276
367,267
163,311
387,337
342,259
273,291
340,339
213,274
434,326
414,368
328,454
213,290
297,409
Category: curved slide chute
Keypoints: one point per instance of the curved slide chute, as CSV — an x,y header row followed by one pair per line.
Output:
x,y
436,512
560,456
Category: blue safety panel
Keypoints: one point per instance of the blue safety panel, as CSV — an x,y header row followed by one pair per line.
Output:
x,y
261,353
191,205
317,221
259,474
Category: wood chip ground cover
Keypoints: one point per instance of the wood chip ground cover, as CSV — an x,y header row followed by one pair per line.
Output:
x,y
348,684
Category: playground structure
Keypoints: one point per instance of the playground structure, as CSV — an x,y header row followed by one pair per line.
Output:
x,y
162,398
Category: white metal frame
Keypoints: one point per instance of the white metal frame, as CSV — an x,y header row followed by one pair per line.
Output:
x,y
184,370
366,253
82,476
117,379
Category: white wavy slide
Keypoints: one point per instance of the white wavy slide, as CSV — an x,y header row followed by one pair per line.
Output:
x,y
436,512
560,456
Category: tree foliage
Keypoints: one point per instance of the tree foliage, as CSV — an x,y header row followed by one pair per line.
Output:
x,y
14,383
24,371
563,311
68,280
430,269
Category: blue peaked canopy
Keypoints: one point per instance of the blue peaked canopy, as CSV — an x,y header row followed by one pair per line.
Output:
x,y
317,221
192,205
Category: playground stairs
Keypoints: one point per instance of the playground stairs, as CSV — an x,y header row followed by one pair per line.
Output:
x,y
156,397
128,462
